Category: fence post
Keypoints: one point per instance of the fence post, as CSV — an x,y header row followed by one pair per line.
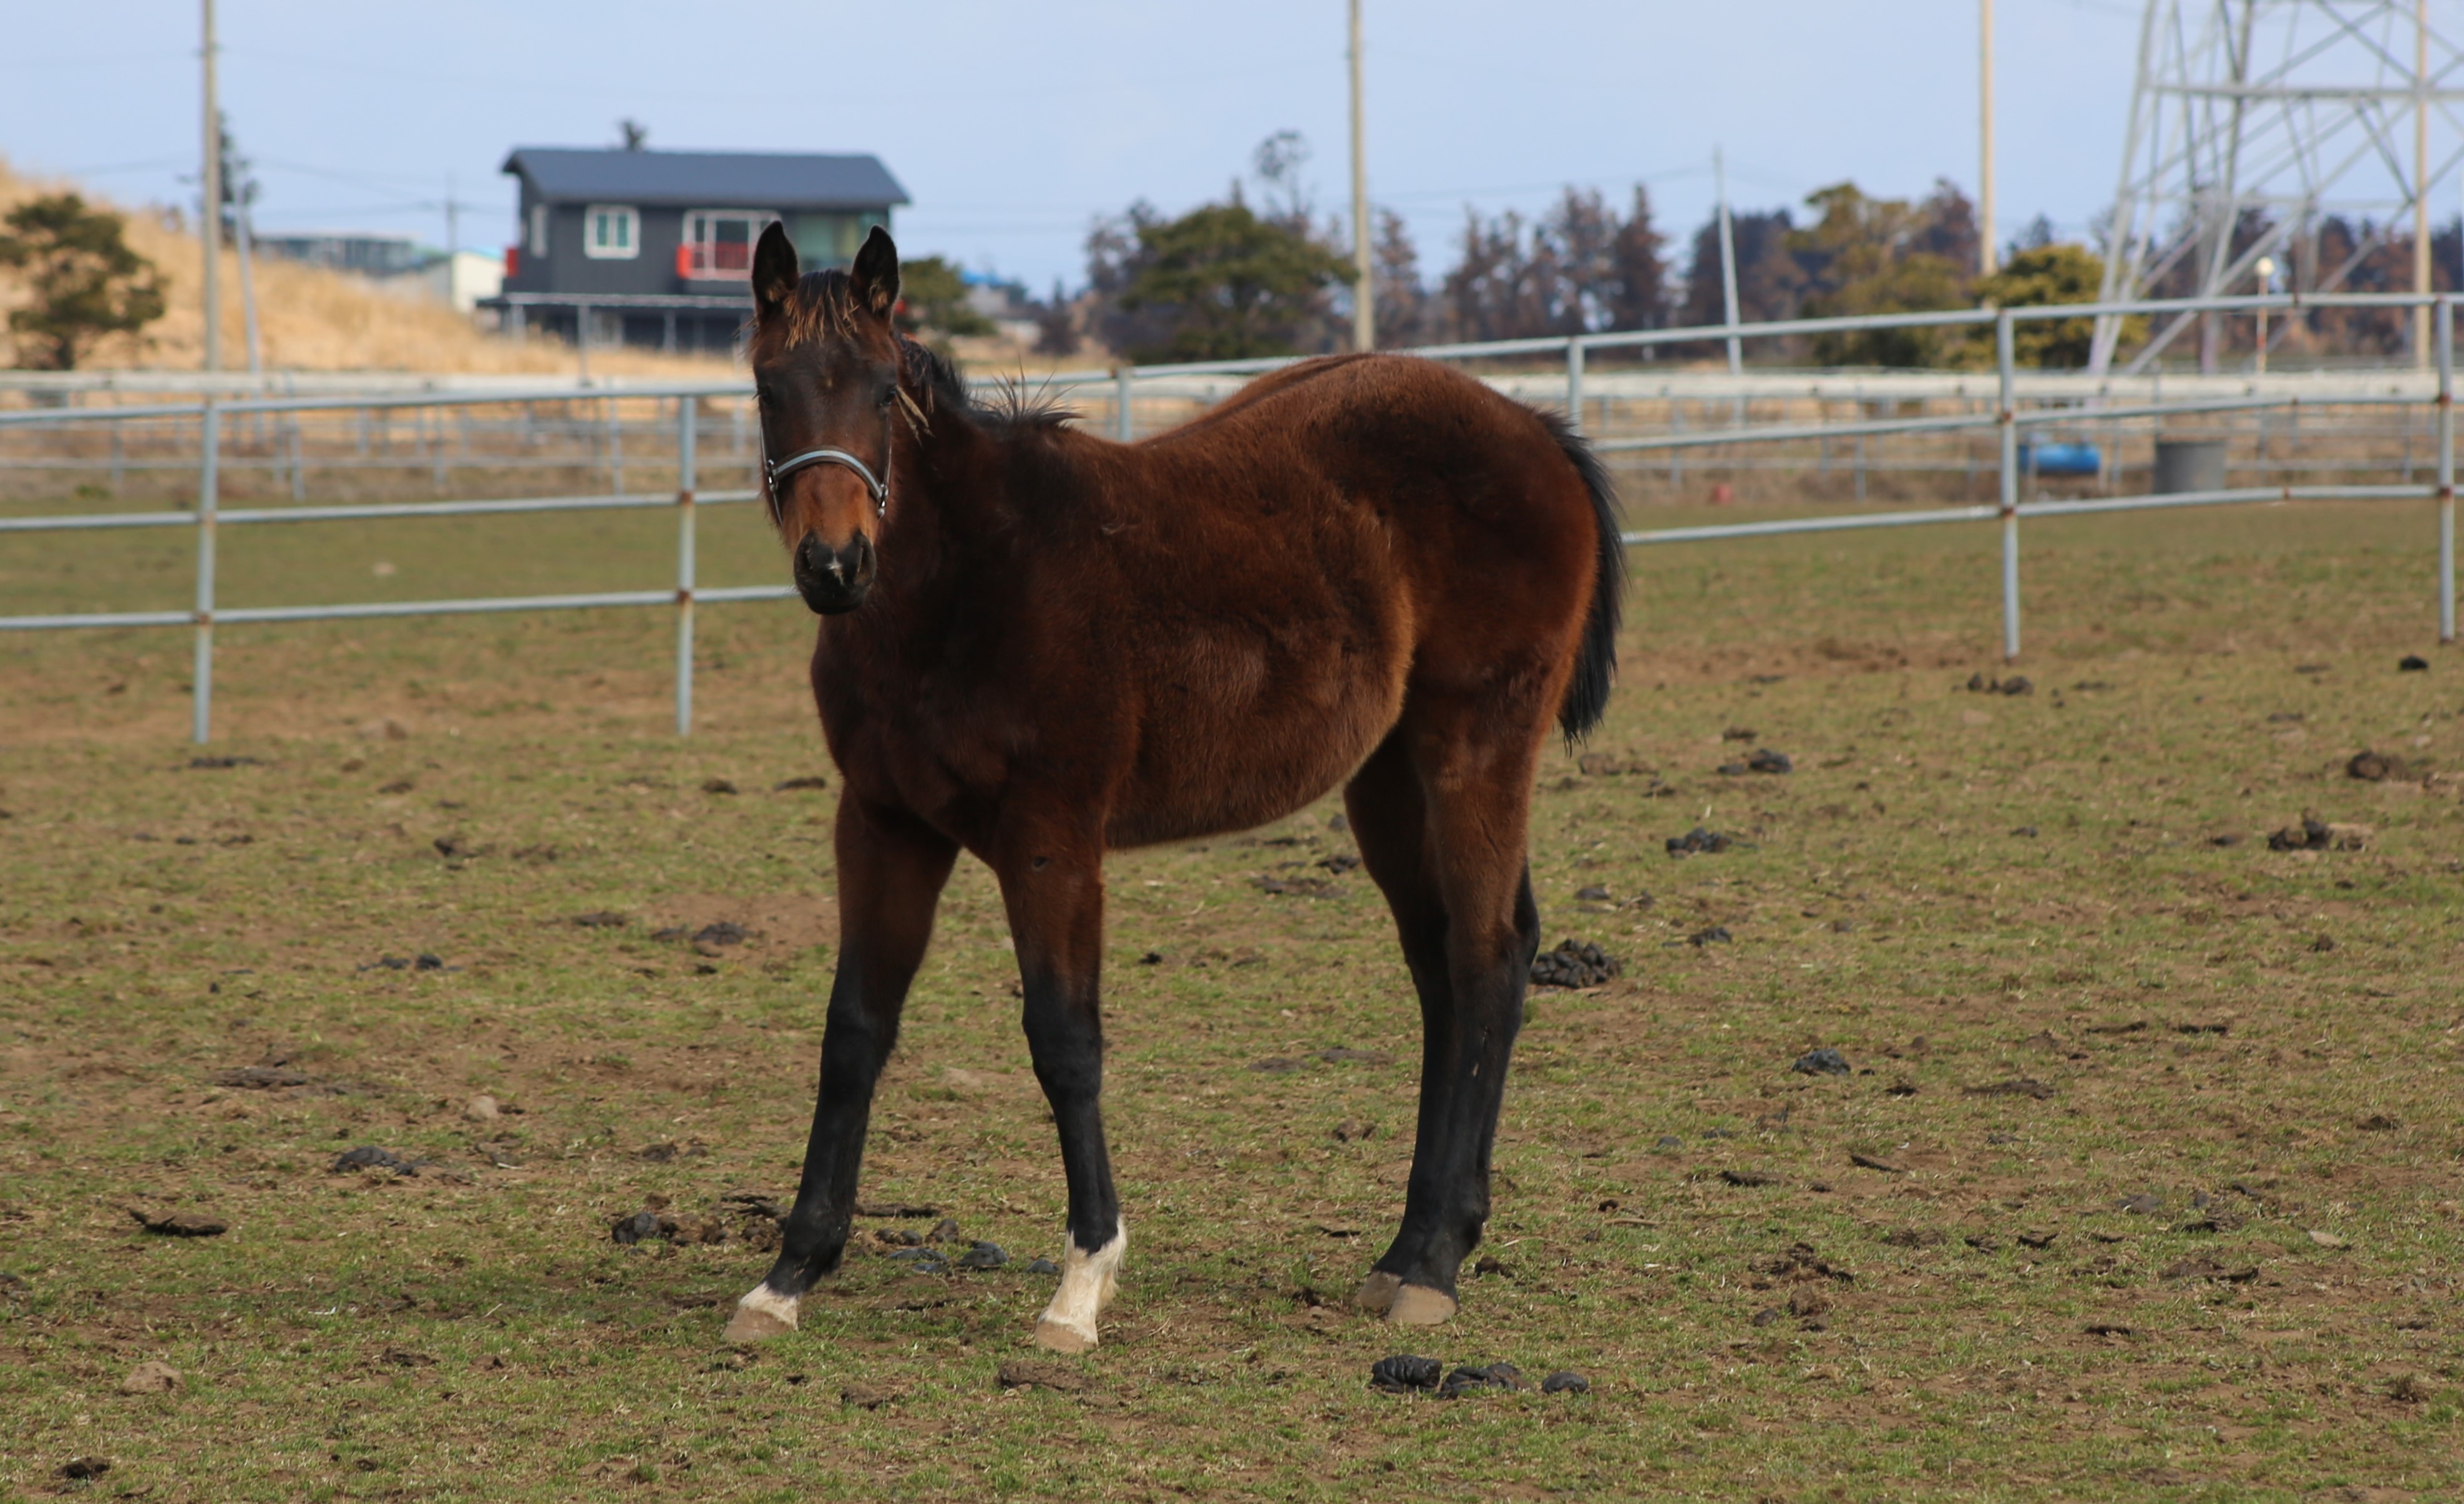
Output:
x,y
1124,428
1574,383
209,501
2010,488
753,450
615,448
2445,343
291,437
685,415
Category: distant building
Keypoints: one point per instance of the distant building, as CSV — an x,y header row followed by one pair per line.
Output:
x,y
641,247
347,251
1007,304
462,280
398,263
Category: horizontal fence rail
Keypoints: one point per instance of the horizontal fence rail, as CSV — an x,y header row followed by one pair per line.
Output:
x,y
586,425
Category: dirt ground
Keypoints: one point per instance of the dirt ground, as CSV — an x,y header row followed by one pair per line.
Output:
x,y
2138,1179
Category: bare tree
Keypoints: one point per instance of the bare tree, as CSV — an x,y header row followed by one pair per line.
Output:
x,y
1638,264
1580,270
1056,325
1116,254
1278,163
1946,225
1574,254
1485,294
1770,283
1402,301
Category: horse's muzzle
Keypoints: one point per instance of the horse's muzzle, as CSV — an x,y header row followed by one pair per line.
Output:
x,y
833,581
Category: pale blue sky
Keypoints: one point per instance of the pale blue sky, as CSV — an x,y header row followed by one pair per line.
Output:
x,y
1011,124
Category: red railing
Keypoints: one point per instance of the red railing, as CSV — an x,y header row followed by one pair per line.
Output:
x,y
717,258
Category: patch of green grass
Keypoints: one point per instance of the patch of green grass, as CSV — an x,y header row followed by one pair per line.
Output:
x,y
2009,911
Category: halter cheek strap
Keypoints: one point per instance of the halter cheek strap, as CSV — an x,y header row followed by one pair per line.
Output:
x,y
777,471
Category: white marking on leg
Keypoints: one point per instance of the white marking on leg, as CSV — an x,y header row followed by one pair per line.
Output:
x,y
1087,1282
763,1312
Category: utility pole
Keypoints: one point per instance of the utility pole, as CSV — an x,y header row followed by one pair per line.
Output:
x,y
452,222
1728,260
213,227
2421,181
1988,259
1364,290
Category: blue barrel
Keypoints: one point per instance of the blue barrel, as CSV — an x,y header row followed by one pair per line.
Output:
x,y
2061,459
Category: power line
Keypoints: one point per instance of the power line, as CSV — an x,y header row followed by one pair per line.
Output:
x,y
156,164
90,61
532,85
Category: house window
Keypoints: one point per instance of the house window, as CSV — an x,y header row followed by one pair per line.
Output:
x,y
612,232
539,229
825,240
718,242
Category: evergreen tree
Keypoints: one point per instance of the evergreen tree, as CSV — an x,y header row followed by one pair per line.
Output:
x,y
86,282
1227,285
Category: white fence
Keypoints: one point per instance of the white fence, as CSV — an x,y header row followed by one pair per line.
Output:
x,y
2060,402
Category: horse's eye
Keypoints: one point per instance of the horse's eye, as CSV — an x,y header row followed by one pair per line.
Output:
x,y
888,395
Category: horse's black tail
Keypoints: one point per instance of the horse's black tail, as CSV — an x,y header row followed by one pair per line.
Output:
x,y
1587,694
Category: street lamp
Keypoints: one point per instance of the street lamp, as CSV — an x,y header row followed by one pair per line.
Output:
x,y
2266,269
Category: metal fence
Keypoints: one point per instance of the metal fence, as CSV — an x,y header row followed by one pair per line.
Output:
x,y
2062,405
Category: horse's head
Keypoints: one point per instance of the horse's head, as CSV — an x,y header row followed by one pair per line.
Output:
x,y
826,367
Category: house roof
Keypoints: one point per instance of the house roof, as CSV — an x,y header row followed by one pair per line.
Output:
x,y
706,179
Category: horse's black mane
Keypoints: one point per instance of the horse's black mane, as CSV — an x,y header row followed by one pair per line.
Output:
x,y
1009,404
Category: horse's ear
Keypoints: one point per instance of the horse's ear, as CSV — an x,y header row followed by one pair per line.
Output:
x,y
774,272
876,272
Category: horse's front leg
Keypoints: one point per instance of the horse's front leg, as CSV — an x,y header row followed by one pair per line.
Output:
x,y
1053,884
890,872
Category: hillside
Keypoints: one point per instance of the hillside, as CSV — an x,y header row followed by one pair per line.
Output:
x,y
310,319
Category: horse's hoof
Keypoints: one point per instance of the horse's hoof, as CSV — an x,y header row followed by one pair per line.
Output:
x,y
1418,1305
1376,1293
1056,1337
1088,1281
762,1315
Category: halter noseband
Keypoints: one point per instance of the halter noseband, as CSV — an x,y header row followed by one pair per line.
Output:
x,y
776,470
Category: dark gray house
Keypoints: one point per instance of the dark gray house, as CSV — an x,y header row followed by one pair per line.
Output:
x,y
641,247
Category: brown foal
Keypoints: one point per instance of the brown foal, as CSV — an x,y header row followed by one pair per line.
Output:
x,y
1037,645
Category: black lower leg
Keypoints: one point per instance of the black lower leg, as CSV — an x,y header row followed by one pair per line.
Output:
x,y
1065,1034
855,1045
1446,1205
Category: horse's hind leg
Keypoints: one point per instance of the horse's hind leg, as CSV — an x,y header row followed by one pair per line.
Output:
x,y
1390,819
890,873
1441,821
1052,884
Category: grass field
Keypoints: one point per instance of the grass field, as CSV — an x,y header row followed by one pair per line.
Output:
x,y
2167,1127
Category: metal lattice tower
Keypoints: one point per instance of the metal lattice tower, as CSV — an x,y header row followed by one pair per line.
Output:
x,y
2254,119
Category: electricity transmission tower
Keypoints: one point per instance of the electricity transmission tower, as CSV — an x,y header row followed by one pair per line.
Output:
x,y
2255,120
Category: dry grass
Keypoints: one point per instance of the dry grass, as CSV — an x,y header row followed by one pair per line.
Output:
x,y
313,319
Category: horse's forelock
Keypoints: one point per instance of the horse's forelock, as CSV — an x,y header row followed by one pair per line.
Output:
x,y
821,305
